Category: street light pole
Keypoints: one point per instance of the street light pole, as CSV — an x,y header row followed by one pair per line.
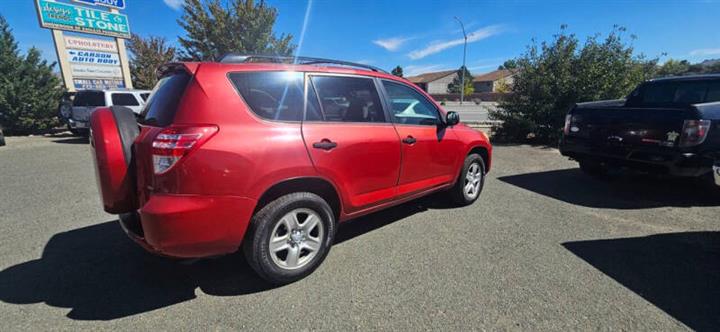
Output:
x,y
462,79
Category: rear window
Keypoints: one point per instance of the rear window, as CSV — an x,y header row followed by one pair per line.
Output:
x,y
675,93
89,99
164,99
124,99
272,95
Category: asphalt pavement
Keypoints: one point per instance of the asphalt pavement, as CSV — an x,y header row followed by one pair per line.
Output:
x,y
545,248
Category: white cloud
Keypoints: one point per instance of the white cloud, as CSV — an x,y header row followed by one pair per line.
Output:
x,y
175,4
413,70
705,51
439,46
391,44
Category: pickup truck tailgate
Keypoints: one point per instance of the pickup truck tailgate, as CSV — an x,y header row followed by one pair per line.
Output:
x,y
622,129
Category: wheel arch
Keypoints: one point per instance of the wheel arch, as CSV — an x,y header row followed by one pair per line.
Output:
x,y
484,154
315,185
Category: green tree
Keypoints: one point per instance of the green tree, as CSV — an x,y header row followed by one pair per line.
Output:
x,y
509,64
29,90
553,76
221,27
676,68
454,87
146,55
397,71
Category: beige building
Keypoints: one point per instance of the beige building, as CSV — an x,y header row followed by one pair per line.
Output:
x,y
494,81
437,82
434,83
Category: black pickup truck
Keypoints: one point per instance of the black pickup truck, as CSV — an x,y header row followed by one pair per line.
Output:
x,y
665,126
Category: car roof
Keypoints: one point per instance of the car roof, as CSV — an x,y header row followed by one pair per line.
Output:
x,y
687,78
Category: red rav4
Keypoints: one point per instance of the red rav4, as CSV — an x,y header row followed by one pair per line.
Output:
x,y
272,153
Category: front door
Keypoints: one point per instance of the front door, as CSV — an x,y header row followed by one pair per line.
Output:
x,y
430,151
351,140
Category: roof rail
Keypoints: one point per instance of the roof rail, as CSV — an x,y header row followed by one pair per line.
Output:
x,y
300,60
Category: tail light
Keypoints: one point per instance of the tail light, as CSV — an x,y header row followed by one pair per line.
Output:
x,y
173,143
694,132
568,121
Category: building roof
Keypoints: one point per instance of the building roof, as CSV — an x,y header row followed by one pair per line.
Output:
x,y
493,75
429,77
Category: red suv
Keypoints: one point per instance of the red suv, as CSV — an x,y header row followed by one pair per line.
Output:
x,y
272,153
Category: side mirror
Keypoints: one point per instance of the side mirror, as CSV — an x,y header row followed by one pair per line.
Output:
x,y
452,118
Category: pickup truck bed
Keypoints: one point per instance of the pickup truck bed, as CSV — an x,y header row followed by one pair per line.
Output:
x,y
671,137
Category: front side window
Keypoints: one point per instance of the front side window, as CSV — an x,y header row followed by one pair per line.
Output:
x,y
275,95
410,107
348,99
124,99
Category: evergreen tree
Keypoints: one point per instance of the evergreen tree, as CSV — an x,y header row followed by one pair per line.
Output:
x,y
29,90
237,26
147,54
397,71
454,87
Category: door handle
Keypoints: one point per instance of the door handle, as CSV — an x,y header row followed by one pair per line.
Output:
x,y
325,144
409,140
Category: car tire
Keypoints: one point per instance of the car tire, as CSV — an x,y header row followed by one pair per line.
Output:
x,y
593,168
289,237
470,182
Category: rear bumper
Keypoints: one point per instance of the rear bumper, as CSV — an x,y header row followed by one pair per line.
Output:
x,y
189,225
652,160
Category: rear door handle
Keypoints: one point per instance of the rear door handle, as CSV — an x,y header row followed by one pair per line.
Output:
x,y
409,140
325,144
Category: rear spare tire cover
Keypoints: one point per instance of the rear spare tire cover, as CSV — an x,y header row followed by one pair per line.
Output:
x,y
113,131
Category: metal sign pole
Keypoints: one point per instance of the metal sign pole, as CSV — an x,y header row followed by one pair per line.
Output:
x,y
124,61
60,50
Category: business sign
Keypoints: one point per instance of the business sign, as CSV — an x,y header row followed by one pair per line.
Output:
x,y
95,71
91,44
93,57
62,16
119,4
98,84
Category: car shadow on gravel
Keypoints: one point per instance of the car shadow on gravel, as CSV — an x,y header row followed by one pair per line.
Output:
x,y
677,272
72,140
622,191
100,274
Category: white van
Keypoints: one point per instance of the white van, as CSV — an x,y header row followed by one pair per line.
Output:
x,y
85,102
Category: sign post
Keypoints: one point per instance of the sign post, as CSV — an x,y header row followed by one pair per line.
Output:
x,y
89,62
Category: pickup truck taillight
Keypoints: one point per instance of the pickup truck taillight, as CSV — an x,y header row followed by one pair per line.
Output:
x,y
568,121
173,143
694,132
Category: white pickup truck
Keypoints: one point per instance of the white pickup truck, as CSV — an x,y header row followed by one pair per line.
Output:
x,y
85,102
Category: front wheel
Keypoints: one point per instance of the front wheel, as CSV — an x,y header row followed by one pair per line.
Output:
x,y
469,185
290,237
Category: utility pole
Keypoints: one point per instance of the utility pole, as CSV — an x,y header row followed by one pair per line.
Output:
x,y
462,76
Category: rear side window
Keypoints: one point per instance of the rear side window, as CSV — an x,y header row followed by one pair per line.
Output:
x,y
675,93
89,99
272,95
144,96
348,99
163,102
124,99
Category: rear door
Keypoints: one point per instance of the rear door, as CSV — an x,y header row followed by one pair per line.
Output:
x,y
430,151
127,99
84,103
350,138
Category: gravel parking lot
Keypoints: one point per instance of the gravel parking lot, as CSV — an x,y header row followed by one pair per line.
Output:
x,y
545,248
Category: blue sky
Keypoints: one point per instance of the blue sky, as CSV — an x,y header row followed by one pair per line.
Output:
x,y
422,36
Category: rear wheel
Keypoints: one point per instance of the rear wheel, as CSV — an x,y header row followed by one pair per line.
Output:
x,y
469,185
290,237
